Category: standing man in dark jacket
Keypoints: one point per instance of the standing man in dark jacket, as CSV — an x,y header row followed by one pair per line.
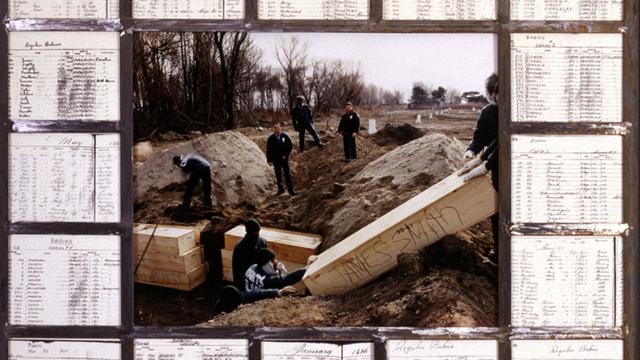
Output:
x,y
486,135
199,169
245,253
278,150
302,121
349,127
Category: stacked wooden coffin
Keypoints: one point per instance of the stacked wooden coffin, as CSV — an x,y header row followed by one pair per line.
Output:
x,y
173,259
292,248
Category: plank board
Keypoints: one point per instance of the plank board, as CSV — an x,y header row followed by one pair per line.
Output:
x,y
171,279
288,245
178,263
446,208
168,240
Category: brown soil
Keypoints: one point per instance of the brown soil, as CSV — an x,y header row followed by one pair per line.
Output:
x,y
447,284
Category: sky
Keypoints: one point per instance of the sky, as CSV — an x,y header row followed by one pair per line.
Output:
x,y
396,61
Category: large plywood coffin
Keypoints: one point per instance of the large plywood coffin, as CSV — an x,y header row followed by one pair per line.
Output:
x,y
444,209
291,246
173,259
168,240
173,279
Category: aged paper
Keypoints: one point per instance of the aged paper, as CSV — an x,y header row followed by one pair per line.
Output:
x,y
358,351
442,350
566,77
566,179
64,9
313,10
566,350
64,280
439,10
64,76
192,9
566,10
192,349
23,349
567,281
107,174
64,177
300,351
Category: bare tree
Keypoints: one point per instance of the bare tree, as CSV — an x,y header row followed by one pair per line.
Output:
x,y
292,57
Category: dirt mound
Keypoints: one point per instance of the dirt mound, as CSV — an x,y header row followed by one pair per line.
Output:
x,y
390,180
450,287
397,134
240,173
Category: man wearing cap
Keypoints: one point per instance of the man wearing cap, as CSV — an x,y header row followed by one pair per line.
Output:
x,y
245,252
199,169
303,121
349,127
268,273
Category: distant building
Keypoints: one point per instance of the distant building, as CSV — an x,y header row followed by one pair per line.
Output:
x,y
473,97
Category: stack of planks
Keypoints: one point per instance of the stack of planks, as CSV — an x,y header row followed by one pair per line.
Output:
x,y
174,258
292,248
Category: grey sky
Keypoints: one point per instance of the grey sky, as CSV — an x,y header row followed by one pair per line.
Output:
x,y
396,61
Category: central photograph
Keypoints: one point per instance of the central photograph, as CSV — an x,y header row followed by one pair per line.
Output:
x,y
315,179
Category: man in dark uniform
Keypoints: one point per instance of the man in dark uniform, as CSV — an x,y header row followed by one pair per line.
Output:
x,y
199,169
303,121
349,127
278,150
486,135
245,252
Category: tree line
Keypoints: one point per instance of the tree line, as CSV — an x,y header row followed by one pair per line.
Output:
x,y
214,81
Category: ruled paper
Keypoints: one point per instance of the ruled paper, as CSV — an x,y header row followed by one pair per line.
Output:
x,y
55,177
64,76
193,349
567,350
64,9
439,10
300,351
566,179
64,280
568,281
566,77
609,10
442,349
313,10
23,349
192,9
358,351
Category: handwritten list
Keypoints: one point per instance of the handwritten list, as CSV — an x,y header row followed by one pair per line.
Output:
x,y
193,349
189,9
64,177
64,280
566,77
567,350
316,351
64,9
439,10
566,281
64,76
23,349
442,349
566,10
566,179
313,10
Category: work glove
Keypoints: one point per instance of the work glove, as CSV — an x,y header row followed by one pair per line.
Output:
x,y
287,291
310,260
470,165
479,170
281,269
469,155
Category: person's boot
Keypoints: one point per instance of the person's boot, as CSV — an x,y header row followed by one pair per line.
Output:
x,y
280,191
